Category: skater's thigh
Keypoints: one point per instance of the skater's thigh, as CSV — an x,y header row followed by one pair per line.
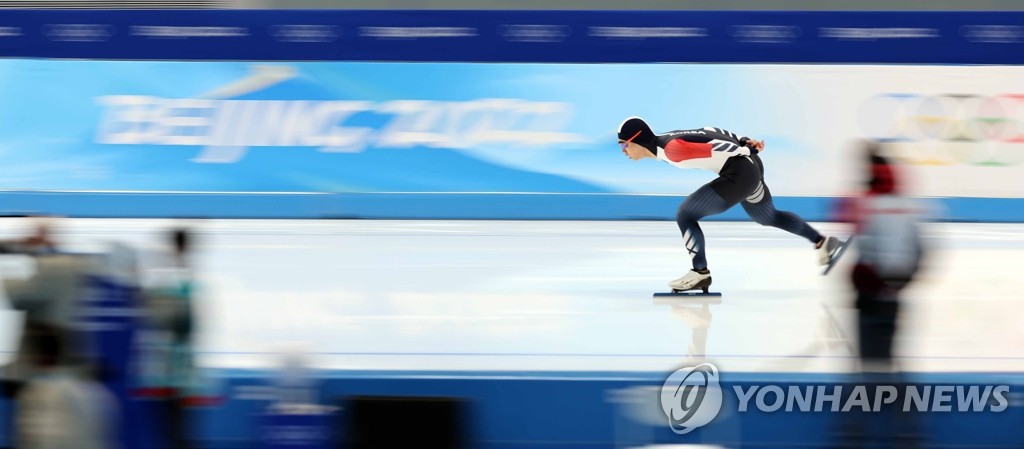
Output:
x,y
702,203
759,198
739,179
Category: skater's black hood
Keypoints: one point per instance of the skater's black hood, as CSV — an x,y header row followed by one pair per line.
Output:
x,y
636,128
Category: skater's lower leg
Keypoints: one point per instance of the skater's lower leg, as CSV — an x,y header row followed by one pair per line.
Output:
x,y
705,201
699,278
764,213
693,237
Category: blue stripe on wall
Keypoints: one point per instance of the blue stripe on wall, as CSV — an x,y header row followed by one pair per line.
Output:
x,y
427,206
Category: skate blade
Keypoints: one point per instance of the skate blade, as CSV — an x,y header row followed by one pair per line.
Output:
x,y
688,297
686,293
699,290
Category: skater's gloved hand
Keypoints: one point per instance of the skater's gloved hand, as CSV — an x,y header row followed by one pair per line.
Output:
x,y
866,280
756,144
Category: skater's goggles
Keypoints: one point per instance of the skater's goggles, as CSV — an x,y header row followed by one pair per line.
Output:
x,y
625,143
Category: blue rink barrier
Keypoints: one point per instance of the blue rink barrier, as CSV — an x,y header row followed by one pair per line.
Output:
x,y
444,206
509,410
589,409
519,36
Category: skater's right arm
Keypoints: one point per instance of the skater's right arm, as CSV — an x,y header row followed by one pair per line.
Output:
x,y
709,133
744,141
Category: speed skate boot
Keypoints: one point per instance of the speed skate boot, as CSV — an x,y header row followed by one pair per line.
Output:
x,y
692,280
827,249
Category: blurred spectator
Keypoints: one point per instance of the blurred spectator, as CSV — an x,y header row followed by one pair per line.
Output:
x,y
888,235
295,385
59,404
168,371
39,241
887,226
61,407
49,298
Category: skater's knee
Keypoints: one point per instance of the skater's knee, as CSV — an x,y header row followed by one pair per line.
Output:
x,y
684,217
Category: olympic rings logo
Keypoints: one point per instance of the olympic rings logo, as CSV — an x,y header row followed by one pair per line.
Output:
x,y
946,129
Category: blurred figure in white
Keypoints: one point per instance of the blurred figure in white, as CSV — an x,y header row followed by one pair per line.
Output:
x,y
295,418
295,386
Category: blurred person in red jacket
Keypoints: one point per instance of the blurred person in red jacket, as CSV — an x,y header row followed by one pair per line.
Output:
x,y
890,250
